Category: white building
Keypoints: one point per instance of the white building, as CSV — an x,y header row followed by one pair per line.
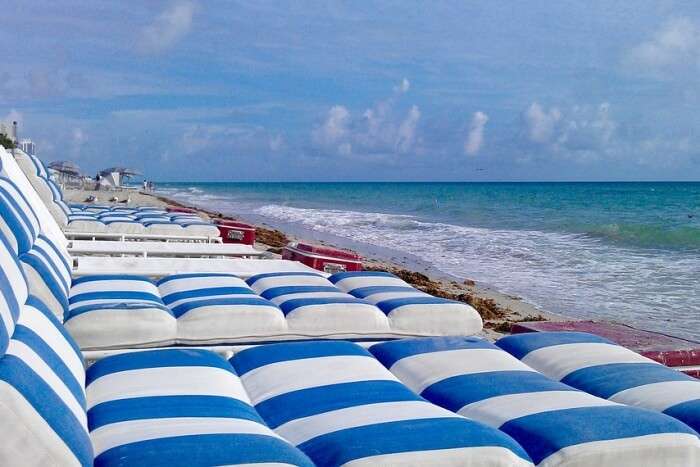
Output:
x,y
28,146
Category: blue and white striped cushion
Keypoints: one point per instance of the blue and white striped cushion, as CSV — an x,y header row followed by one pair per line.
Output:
x,y
314,306
43,188
13,292
18,221
121,210
31,165
335,402
86,224
197,226
39,166
97,209
218,308
121,223
48,275
118,311
58,197
148,221
600,367
177,407
191,222
555,423
81,217
109,217
42,399
356,280
151,209
161,225
409,309
148,217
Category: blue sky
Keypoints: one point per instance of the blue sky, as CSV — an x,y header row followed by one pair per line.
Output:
x,y
391,90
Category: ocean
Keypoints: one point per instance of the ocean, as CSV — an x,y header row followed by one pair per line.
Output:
x,y
628,252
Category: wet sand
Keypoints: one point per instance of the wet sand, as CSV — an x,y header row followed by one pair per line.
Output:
x,y
497,309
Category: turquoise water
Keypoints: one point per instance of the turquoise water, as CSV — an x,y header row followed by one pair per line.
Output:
x,y
625,251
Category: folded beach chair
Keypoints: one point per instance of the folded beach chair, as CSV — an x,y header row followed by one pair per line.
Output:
x,y
556,424
601,367
337,404
115,222
407,307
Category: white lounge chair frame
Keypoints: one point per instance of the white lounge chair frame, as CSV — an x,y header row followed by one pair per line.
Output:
x,y
147,249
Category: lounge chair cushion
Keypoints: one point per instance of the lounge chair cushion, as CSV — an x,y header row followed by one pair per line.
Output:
x,y
201,229
121,223
48,275
86,224
409,309
177,407
42,400
314,306
163,227
31,164
218,308
335,402
58,197
18,221
45,191
556,424
107,311
13,292
605,369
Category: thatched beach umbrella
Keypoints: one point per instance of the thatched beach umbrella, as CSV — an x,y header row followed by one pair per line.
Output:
x,y
65,167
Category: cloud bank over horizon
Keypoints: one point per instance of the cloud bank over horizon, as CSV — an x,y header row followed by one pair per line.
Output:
x,y
217,90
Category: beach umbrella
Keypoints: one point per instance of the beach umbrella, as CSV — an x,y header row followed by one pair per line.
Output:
x,y
123,171
65,167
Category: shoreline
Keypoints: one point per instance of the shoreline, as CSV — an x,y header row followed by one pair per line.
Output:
x,y
498,310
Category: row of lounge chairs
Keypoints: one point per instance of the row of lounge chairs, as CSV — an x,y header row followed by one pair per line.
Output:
x,y
535,399
114,246
119,220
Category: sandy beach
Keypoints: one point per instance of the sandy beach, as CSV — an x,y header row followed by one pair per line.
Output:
x,y
498,310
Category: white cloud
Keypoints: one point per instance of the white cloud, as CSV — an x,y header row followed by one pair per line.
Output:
x,y
406,134
379,130
676,43
587,129
475,138
541,123
583,133
168,28
334,128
